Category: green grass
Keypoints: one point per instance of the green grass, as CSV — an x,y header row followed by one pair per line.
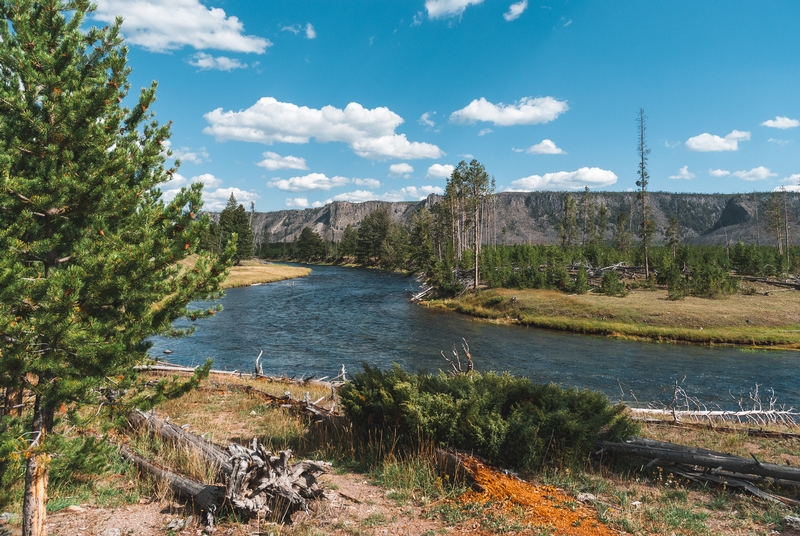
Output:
x,y
755,321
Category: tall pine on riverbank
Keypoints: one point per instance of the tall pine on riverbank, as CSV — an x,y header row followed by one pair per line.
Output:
x,y
88,252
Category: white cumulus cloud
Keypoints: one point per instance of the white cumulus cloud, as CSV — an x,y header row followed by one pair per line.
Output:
x,y
401,169
683,173
301,202
421,192
217,199
788,188
718,172
545,147
356,196
220,63
275,161
306,183
440,171
485,131
782,122
706,142
161,26
311,33
185,154
438,9
515,10
760,173
369,133
425,119
526,111
372,184
565,180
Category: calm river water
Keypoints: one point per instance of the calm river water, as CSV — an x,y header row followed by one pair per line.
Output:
x,y
347,316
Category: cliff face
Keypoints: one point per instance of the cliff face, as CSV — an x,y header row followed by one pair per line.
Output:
x,y
329,221
533,217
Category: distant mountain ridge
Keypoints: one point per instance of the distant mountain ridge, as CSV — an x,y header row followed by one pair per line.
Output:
x,y
532,217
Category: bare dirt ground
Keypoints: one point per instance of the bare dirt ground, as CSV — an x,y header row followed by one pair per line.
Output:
x,y
353,506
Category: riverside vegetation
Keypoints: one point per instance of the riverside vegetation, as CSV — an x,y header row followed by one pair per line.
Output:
x,y
679,301
391,445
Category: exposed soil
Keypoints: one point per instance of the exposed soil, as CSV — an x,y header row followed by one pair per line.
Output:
x,y
352,505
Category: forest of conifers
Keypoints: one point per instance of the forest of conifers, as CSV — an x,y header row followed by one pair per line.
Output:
x,y
440,244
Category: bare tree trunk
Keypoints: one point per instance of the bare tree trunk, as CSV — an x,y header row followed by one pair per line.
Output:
x,y
477,241
12,404
786,229
36,470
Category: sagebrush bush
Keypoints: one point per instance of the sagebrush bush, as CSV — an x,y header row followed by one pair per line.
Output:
x,y
509,420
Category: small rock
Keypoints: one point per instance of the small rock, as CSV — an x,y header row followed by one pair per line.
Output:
x,y
585,497
176,524
74,509
111,532
636,504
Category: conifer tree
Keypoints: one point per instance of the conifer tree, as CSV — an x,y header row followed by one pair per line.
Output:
x,y
234,220
88,250
647,227
568,227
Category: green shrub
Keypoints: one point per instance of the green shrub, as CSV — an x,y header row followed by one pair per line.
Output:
x,y
611,284
509,420
581,283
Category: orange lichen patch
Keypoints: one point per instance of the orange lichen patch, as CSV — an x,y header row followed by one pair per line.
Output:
x,y
536,508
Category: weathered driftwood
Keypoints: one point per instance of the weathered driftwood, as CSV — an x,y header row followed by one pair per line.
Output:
x,y
210,452
730,481
764,416
752,432
208,498
267,486
256,482
303,406
712,460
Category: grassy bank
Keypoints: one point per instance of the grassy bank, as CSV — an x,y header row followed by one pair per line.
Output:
x,y
374,490
254,272
764,317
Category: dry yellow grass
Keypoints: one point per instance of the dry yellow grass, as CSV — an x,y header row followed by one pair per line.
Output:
x,y
744,319
256,272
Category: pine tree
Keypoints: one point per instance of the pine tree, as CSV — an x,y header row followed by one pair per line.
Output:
x,y
647,227
568,227
234,220
673,234
88,251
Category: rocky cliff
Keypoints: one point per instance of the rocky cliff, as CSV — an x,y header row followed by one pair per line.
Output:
x,y
533,217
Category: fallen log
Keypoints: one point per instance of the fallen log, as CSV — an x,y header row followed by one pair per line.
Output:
x,y
670,452
310,408
256,482
734,482
786,416
208,498
750,432
210,452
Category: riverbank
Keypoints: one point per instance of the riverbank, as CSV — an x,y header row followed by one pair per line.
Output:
x,y
394,494
765,317
255,272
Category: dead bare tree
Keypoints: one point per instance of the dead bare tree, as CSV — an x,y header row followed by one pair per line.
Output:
x,y
457,368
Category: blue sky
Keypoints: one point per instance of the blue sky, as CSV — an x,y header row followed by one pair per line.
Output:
x,y
294,103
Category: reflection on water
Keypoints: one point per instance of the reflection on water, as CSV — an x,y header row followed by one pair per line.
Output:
x,y
347,316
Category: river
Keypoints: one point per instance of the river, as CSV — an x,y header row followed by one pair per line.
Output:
x,y
345,316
